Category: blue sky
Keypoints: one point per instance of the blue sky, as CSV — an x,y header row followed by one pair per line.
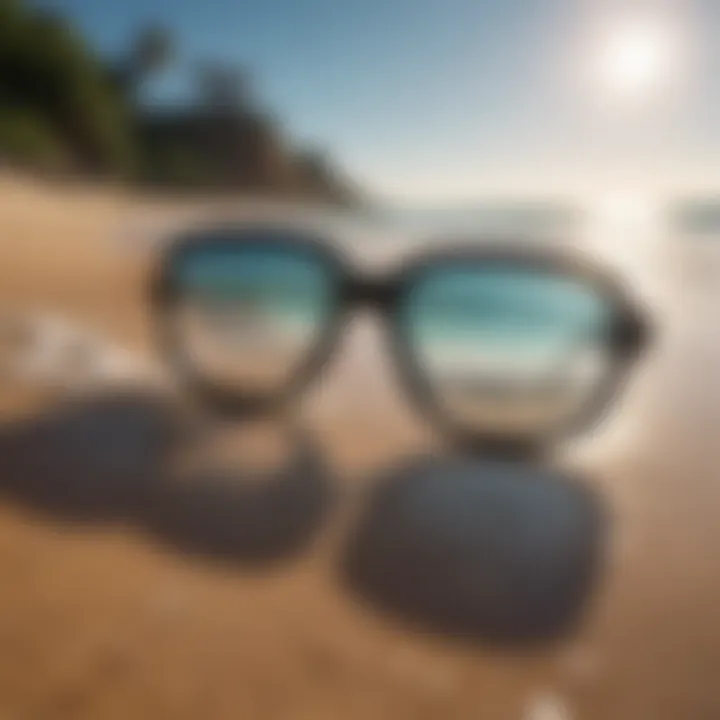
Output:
x,y
452,98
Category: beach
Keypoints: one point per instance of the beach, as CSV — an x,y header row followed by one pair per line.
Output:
x,y
99,620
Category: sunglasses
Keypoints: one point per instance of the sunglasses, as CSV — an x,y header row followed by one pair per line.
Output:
x,y
506,347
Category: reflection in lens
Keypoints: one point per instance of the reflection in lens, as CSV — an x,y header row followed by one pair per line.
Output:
x,y
250,315
507,348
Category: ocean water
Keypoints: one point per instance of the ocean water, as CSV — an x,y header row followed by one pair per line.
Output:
x,y
512,219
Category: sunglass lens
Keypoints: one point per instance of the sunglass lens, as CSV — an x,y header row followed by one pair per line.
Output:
x,y
250,314
507,348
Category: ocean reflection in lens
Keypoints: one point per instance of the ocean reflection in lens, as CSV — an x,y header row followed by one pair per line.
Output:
x,y
250,315
508,349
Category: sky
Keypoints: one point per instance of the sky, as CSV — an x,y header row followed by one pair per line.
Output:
x,y
451,99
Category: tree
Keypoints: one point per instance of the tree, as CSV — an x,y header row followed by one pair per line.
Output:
x,y
222,87
51,79
152,51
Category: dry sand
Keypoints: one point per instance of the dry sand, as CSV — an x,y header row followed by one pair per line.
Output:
x,y
99,621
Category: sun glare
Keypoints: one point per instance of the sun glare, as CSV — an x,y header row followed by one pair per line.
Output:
x,y
635,60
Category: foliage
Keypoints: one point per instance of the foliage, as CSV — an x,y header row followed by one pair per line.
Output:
x,y
27,141
152,51
222,88
174,165
50,77
64,107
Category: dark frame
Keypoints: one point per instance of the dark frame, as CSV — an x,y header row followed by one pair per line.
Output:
x,y
385,293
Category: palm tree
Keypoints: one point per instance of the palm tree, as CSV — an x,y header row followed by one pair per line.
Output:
x,y
151,51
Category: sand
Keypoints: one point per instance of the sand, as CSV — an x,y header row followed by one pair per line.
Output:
x,y
100,620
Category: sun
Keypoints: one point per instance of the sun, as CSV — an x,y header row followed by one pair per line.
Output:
x,y
635,60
